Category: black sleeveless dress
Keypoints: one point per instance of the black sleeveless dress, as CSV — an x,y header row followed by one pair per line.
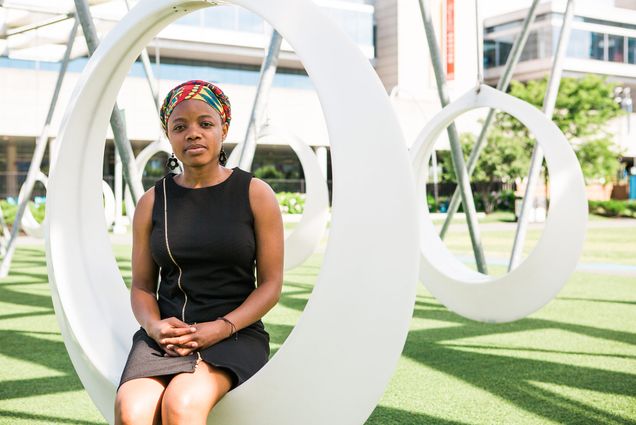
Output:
x,y
206,252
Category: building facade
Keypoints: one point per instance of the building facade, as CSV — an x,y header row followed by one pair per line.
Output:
x,y
226,44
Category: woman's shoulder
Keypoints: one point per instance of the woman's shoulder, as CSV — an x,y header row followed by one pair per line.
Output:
x,y
262,197
143,209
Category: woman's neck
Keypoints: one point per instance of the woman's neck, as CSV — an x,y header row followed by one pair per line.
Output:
x,y
194,177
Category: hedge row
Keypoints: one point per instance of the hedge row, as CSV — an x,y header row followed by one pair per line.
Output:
x,y
613,208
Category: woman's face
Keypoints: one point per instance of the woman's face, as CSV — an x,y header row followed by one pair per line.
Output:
x,y
196,132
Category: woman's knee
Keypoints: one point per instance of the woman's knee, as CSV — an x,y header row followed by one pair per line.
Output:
x,y
186,407
137,405
131,411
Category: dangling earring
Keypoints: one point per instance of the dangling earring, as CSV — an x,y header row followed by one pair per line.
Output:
x,y
222,157
172,163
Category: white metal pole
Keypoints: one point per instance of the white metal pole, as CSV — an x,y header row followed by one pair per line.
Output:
x,y
549,103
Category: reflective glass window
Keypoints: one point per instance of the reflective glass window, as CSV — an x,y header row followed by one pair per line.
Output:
x,y
631,50
586,45
490,54
615,48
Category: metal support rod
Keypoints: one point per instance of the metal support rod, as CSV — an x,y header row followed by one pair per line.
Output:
x,y
268,70
549,103
31,27
116,119
38,154
459,166
435,177
504,81
145,60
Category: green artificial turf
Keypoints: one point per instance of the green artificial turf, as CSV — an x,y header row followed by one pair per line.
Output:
x,y
573,362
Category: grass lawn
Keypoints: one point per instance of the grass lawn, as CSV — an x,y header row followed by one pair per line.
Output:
x,y
573,362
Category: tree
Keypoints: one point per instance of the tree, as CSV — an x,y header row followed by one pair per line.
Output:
x,y
598,160
582,110
503,159
583,105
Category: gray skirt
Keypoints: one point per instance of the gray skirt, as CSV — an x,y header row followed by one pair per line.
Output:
x,y
242,357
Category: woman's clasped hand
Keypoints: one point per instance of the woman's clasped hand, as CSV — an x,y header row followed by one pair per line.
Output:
x,y
181,339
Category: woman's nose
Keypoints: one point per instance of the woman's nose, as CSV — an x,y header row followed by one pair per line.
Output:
x,y
192,135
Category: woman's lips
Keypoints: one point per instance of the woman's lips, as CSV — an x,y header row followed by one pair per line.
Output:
x,y
194,148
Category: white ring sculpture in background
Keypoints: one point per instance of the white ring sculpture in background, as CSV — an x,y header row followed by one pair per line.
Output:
x,y
542,274
321,374
306,236
29,224
142,158
109,204
34,228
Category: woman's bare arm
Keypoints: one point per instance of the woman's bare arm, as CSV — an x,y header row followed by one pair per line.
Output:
x,y
268,227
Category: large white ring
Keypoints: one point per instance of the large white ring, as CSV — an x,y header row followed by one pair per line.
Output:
x,y
322,374
542,274
306,236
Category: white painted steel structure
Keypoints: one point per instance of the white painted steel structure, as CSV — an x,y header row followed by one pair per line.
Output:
x,y
543,273
363,272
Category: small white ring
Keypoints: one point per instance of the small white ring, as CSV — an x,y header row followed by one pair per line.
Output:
x,y
542,274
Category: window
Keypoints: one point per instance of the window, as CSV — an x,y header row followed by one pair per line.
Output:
x,y
490,54
615,48
586,45
631,50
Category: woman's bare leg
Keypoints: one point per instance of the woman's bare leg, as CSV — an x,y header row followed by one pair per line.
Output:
x,y
138,401
189,397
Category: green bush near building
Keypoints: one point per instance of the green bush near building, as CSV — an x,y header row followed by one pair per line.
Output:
x,y
9,211
291,202
613,208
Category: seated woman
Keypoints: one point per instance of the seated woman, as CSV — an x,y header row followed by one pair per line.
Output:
x,y
204,233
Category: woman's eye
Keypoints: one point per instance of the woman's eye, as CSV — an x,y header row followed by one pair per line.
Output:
x,y
206,124
178,127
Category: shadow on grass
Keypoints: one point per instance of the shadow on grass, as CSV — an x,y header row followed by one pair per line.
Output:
x,y
511,378
508,378
390,416
24,298
596,300
44,352
8,414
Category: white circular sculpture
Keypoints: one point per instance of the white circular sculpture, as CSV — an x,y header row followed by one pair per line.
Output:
x,y
306,236
544,272
109,204
29,224
142,158
34,228
322,374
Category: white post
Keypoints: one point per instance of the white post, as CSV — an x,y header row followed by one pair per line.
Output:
x,y
321,154
119,227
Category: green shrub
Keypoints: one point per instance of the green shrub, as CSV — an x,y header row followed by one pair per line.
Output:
x,y
9,211
613,208
268,172
505,201
291,202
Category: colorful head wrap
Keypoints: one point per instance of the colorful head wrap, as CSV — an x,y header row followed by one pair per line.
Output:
x,y
199,90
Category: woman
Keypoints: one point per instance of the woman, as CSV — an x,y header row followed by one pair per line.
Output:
x,y
204,232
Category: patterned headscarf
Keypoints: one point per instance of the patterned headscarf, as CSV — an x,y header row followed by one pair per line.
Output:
x,y
200,90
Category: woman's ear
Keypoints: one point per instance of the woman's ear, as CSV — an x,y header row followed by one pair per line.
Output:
x,y
226,127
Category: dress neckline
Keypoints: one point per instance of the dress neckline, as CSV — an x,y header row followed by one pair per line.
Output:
x,y
234,171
